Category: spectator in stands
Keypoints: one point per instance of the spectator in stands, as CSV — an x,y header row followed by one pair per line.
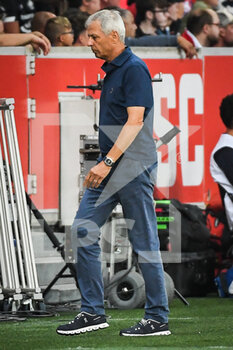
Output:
x,y
2,15
74,3
152,17
19,14
40,19
227,5
152,40
200,5
59,31
226,29
107,3
90,6
175,14
130,25
131,6
36,39
205,4
78,20
202,28
221,161
54,6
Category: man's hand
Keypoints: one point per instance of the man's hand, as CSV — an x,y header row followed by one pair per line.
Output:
x,y
96,175
188,48
40,41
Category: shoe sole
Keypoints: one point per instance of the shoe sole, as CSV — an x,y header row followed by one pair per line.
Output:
x,y
84,330
146,335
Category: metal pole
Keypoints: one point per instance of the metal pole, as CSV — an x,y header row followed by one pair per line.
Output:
x,y
8,180
17,262
8,259
18,198
24,204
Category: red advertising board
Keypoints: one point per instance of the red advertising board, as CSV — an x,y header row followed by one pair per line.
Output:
x,y
188,97
13,83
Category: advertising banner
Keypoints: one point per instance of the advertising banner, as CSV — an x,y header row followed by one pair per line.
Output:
x,y
188,97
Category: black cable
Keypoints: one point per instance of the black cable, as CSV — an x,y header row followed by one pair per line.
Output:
x,y
113,283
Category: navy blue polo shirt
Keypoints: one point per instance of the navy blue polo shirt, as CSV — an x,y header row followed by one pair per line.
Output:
x,y
127,83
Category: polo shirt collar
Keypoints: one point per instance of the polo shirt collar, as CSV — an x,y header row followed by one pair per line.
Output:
x,y
118,61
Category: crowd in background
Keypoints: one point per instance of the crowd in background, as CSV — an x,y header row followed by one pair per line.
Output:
x,y
199,23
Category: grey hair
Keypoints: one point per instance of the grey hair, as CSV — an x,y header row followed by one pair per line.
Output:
x,y
110,20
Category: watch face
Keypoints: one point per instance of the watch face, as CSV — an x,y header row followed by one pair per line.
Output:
x,y
108,161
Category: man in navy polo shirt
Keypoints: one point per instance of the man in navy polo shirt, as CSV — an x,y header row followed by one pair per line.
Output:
x,y
125,174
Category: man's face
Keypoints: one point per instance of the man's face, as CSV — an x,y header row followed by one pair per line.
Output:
x,y
213,32
161,16
67,37
130,26
100,43
108,3
93,6
173,11
227,35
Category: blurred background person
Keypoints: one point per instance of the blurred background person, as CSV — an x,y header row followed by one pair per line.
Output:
x,y
202,28
89,6
78,20
131,6
40,19
2,15
199,5
152,17
59,31
152,40
221,160
206,4
130,25
176,13
162,17
18,15
226,29
227,5
107,3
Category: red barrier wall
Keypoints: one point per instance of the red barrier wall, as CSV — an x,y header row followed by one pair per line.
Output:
x,y
189,97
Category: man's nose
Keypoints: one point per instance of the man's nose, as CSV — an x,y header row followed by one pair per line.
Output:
x,y
90,41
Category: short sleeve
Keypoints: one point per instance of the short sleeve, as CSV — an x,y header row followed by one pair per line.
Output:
x,y
137,86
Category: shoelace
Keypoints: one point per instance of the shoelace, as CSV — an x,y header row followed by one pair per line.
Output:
x,y
143,322
76,317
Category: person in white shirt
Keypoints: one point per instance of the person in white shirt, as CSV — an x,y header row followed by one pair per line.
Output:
x,y
221,161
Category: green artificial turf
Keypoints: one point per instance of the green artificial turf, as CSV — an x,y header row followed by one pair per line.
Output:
x,y
206,324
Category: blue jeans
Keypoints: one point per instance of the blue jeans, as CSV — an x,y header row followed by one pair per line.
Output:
x,y
136,198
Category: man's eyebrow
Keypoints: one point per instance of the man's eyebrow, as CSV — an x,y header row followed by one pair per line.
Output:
x,y
93,35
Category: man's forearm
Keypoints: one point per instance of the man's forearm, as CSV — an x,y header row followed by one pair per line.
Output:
x,y
124,140
8,39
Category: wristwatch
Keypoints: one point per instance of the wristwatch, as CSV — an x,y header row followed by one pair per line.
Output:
x,y
108,161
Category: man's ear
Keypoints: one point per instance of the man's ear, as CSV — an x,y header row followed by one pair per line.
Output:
x,y
205,28
115,36
61,38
